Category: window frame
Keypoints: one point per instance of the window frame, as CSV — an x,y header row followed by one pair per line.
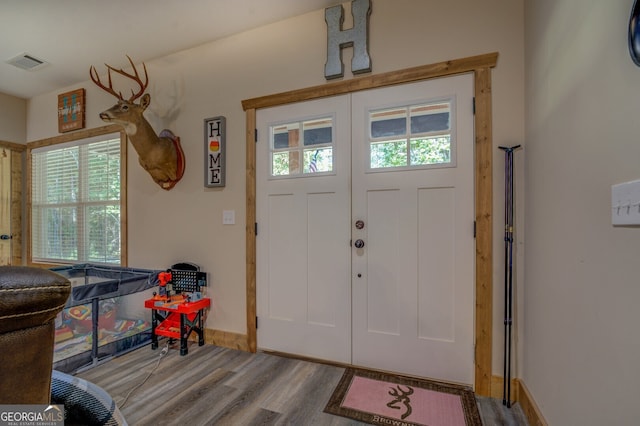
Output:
x,y
408,136
65,139
302,148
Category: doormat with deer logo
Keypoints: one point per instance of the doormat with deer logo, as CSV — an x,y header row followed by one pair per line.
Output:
x,y
387,399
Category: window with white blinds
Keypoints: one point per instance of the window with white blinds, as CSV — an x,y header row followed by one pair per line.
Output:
x,y
76,205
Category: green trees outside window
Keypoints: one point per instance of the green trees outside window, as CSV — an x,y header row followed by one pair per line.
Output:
x,y
76,213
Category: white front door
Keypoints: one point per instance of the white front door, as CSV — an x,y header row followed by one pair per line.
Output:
x,y
390,170
303,264
413,280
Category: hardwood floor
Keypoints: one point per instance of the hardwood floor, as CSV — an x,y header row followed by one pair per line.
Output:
x,y
219,386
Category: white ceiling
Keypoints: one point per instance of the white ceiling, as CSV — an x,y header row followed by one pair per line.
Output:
x,y
72,35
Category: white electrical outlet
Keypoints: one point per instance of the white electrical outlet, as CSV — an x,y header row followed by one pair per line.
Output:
x,y
228,217
625,203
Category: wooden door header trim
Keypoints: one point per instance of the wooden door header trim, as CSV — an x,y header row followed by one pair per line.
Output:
x,y
423,72
13,146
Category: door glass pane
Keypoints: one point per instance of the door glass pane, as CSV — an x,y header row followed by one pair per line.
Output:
x,y
430,118
286,135
280,164
389,123
427,142
318,132
389,154
431,150
292,156
318,160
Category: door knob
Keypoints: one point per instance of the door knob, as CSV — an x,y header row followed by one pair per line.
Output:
x,y
5,237
359,244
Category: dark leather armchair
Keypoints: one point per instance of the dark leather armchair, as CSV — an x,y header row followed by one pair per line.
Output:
x,y
30,299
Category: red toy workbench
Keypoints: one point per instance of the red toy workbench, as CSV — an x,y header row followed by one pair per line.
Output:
x,y
177,320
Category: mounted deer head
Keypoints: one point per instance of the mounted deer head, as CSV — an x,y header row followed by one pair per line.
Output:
x,y
161,156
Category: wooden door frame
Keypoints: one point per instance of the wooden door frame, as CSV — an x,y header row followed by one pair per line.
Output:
x,y
480,66
17,156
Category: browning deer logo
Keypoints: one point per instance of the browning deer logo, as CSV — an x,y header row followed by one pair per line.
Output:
x,y
401,396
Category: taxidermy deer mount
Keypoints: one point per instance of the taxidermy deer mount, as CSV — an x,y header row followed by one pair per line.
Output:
x,y
161,156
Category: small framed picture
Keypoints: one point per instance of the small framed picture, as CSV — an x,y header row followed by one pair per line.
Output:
x,y
71,111
215,152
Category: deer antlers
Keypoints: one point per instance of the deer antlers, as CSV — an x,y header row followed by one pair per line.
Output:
x,y
135,77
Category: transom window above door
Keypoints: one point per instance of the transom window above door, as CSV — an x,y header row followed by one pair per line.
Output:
x,y
302,148
412,136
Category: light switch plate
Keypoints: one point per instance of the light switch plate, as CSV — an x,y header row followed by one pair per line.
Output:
x,y
228,217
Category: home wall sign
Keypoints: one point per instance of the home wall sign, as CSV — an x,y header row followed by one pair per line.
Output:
x,y
215,152
357,36
71,111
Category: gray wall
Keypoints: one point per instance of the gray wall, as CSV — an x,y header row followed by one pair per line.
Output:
x,y
582,277
13,119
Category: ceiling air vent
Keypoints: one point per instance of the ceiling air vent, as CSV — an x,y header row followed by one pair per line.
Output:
x,y
27,62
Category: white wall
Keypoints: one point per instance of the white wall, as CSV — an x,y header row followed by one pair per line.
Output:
x,y
582,276
13,119
186,222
